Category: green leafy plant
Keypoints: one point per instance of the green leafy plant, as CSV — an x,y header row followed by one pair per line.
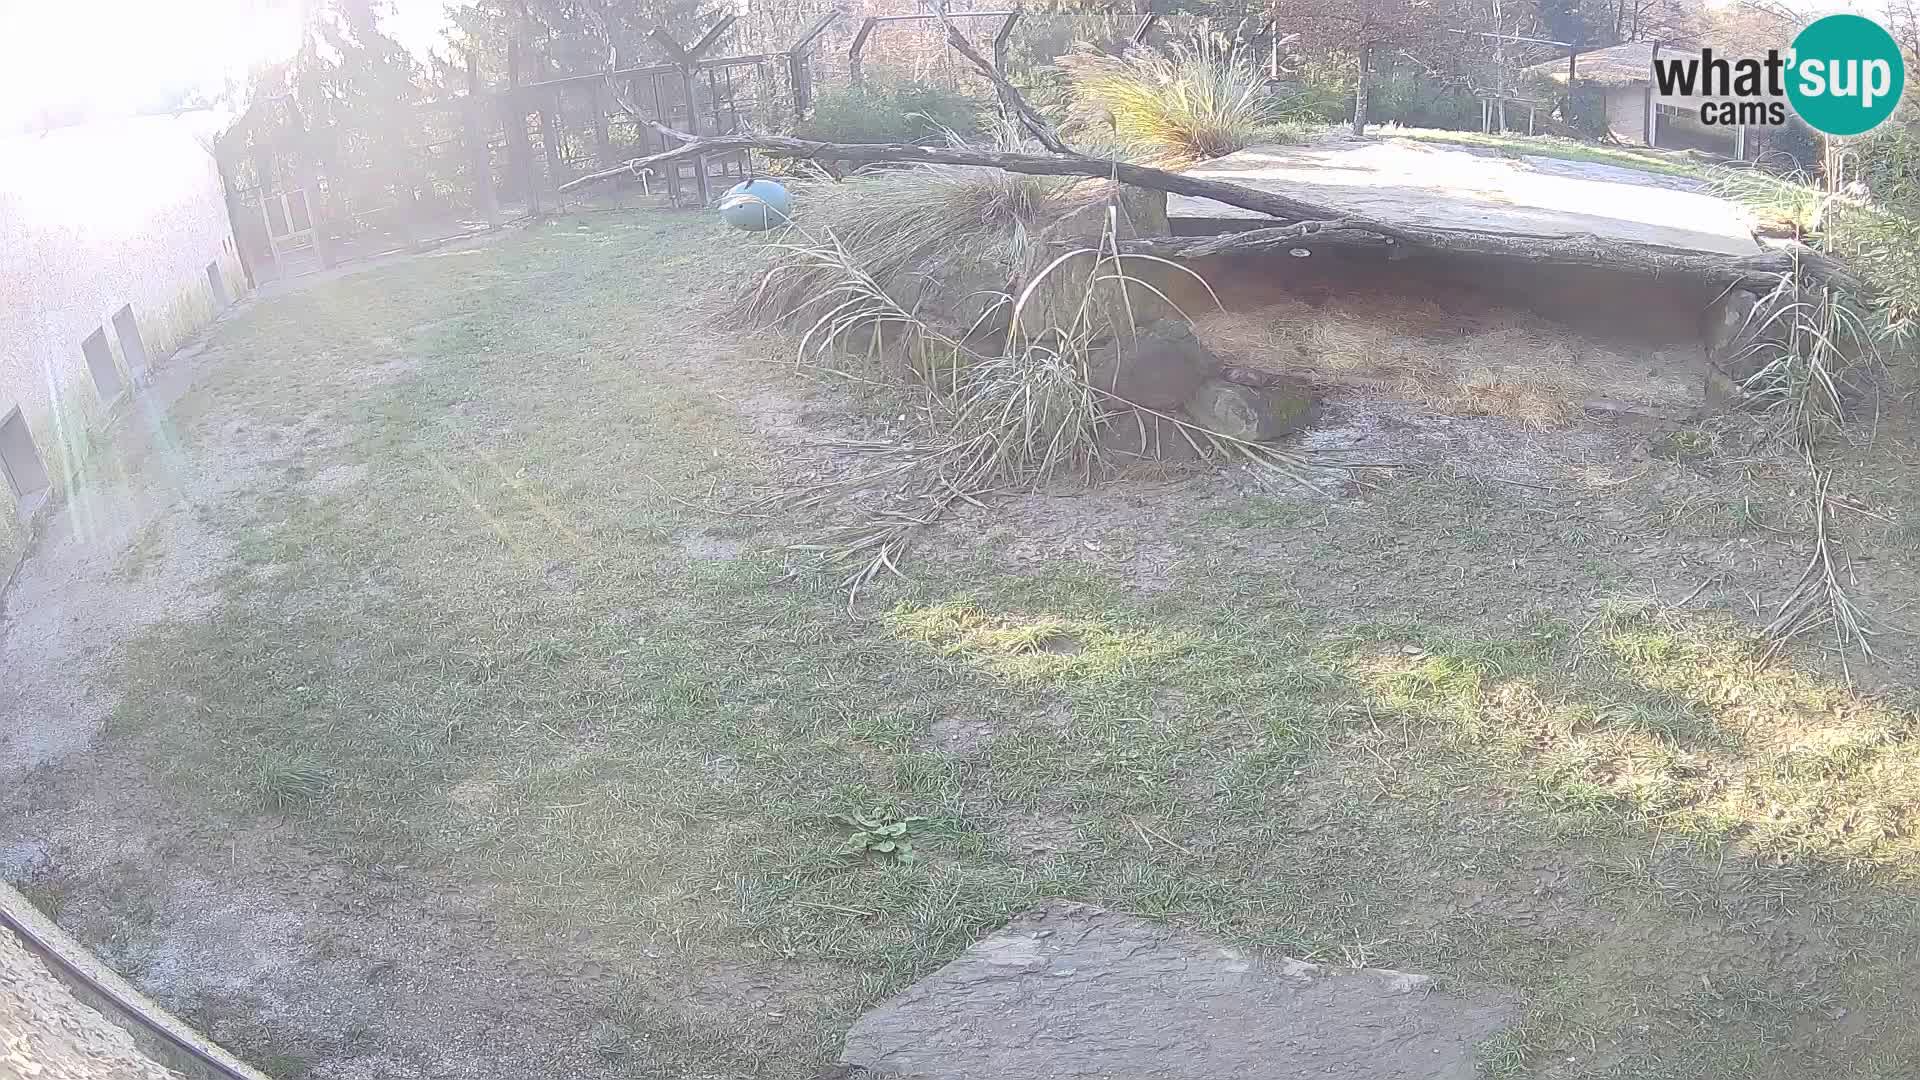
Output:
x,y
875,834
884,110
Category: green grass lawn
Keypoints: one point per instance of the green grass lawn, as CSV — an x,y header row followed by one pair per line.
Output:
x,y
1421,727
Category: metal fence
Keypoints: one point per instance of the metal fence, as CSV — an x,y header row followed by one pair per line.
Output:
x,y
470,161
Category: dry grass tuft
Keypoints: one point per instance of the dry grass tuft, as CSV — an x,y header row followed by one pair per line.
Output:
x,y
1205,100
944,239
1015,412
1032,648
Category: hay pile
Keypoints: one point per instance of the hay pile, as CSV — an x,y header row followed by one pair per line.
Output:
x,y
1491,362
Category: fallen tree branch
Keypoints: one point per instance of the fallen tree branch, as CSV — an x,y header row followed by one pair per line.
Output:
x,y
1271,203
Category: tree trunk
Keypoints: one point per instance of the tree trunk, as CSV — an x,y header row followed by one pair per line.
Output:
x,y
1499,69
1360,91
519,147
477,126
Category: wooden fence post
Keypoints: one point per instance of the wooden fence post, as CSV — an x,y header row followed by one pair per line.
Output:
x,y
800,75
1573,71
800,63
603,153
858,49
688,60
691,88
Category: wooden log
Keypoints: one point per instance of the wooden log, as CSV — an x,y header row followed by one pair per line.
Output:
x,y
1285,207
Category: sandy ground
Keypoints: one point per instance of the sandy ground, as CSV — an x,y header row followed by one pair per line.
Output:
x,y
45,1034
1411,183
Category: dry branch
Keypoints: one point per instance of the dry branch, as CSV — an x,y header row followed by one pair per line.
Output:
x,y
1284,207
1029,117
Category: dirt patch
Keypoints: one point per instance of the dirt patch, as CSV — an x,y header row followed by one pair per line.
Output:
x,y
134,546
1043,836
702,544
1072,991
959,733
337,479
324,963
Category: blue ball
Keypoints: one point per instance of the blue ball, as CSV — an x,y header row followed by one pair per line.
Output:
x,y
756,205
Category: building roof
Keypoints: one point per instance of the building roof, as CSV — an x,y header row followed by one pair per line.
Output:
x,y
1617,65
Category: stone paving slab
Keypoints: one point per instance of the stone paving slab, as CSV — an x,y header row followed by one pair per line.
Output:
x,y
1074,992
1422,184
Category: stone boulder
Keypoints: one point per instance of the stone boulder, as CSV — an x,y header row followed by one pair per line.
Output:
x,y
1132,433
1159,366
1117,306
1251,413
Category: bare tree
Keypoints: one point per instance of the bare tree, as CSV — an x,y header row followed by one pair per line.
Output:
x,y
1363,27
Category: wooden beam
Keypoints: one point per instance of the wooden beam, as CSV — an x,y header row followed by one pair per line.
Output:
x,y
814,30
674,49
712,36
858,48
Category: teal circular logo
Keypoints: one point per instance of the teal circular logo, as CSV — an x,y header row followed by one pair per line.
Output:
x,y
1847,75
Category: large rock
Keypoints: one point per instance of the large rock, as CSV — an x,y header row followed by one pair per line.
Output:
x,y
1131,433
1251,413
1744,333
1159,366
1075,992
1733,320
1116,306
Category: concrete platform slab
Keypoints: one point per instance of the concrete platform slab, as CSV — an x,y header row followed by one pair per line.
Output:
x,y
1421,184
1077,992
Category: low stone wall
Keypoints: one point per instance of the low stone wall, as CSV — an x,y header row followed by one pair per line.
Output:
x,y
95,218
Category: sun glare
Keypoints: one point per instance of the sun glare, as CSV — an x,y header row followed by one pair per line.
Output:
x,y
115,55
